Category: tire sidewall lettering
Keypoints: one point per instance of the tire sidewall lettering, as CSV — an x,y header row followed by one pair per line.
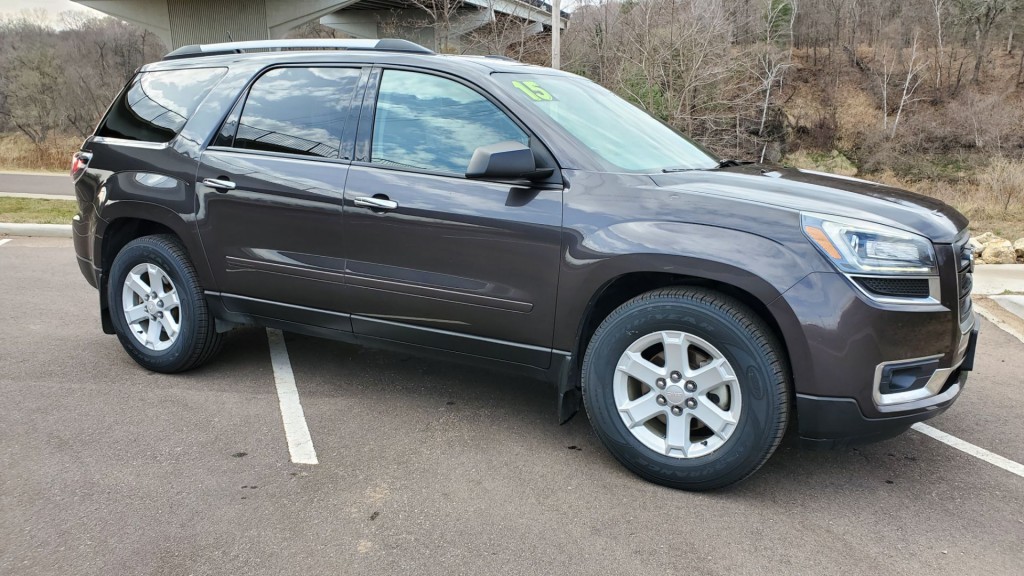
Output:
x,y
150,254
742,449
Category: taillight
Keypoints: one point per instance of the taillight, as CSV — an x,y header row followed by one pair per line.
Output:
x,y
79,162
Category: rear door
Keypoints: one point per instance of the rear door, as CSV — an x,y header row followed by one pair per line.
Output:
x,y
434,258
270,191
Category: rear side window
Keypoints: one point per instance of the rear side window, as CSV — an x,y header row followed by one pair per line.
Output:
x,y
298,111
156,105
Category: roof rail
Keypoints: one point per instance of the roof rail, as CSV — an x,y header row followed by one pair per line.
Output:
x,y
382,45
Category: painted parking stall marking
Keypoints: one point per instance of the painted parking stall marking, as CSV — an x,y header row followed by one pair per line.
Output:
x,y
976,451
300,444
991,317
4,241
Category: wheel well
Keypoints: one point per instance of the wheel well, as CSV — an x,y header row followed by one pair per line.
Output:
x,y
628,286
122,231
119,233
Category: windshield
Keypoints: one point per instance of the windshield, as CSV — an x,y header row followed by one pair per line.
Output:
x,y
618,132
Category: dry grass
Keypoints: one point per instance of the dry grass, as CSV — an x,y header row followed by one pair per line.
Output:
x,y
859,116
33,211
833,163
1004,179
18,153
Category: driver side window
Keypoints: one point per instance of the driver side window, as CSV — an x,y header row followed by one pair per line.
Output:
x,y
431,123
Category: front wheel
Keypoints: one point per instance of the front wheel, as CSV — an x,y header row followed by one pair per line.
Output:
x,y
157,306
687,388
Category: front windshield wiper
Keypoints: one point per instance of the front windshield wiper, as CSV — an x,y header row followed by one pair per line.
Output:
x,y
729,163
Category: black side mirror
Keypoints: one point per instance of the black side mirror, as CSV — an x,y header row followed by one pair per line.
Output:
x,y
505,161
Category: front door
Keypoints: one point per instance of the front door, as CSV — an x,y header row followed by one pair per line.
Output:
x,y
439,260
271,189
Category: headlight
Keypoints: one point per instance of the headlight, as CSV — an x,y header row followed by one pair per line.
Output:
x,y
859,247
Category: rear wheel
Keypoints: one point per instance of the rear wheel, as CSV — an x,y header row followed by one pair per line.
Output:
x,y
687,388
157,306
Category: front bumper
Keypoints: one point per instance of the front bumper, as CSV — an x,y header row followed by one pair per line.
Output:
x,y
827,423
871,369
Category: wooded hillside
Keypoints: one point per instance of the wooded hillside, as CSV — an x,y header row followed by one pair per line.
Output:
x,y
925,93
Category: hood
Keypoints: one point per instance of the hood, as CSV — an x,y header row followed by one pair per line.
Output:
x,y
809,191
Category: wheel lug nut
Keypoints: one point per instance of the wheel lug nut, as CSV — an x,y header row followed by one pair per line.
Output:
x,y
660,383
661,400
160,303
159,314
677,410
690,386
676,376
691,403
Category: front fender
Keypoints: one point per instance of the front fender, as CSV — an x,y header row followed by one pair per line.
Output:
x,y
759,266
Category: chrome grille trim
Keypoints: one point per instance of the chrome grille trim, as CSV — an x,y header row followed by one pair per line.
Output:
x,y
965,280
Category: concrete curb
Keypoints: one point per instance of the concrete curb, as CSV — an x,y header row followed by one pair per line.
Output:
x,y
64,197
992,279
30,173
994,318
49,230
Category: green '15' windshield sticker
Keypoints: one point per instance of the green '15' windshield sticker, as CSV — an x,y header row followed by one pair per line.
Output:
x,y
534,91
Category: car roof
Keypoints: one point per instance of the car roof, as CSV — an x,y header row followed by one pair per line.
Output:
x,y
484,65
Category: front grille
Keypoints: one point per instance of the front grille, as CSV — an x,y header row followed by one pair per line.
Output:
x,y
965,278
896,287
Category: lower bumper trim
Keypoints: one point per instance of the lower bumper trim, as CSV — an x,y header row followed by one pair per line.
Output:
x,y
827,423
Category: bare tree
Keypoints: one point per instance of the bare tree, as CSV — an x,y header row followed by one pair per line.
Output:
x,y
772,61
56,81
983,15
939,10
441,14
884,75
910,83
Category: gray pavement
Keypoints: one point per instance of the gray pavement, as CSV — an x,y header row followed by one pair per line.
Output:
x,y
1013,304
998,278
432,468
51,185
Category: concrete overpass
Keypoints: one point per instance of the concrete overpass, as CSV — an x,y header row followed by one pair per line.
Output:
x,y
182,22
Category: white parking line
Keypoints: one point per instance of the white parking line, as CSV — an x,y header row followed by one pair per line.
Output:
x,y
300,444
4,241
976,451
991,317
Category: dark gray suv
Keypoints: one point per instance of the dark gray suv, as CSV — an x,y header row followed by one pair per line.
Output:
x,y
492,212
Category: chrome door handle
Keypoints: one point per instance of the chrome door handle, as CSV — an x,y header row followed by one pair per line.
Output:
x,y
218,184
376,203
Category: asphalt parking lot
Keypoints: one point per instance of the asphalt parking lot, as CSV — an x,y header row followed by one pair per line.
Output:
x,y
432,468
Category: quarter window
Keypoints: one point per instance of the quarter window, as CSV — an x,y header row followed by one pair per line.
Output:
x,y
155,105
298,111
431,123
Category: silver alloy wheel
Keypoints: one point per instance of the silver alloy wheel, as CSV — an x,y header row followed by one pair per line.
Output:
x,y
151,307
677,394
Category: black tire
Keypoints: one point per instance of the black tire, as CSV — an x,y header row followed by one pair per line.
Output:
x,y
197,340
742,338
